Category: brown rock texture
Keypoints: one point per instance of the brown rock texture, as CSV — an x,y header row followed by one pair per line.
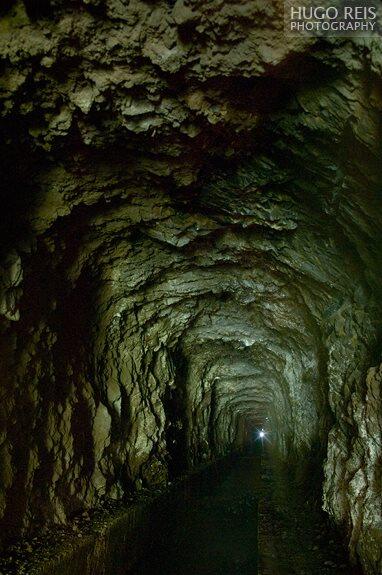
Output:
x,y
190,241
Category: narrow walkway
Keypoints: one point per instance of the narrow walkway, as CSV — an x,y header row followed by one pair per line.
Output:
x,y
295,536
210,527
225,521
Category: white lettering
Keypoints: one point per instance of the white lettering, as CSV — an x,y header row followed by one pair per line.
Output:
x,y
297,25
307,12
319,13
372,12
322,19
334,13
295,13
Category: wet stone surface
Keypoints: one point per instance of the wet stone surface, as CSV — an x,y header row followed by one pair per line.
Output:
x,y
243,519
209,526
295,535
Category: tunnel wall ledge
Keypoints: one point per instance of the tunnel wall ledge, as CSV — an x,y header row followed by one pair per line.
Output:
x,y
113,548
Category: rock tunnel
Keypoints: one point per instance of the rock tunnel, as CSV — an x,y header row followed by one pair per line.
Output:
x,y
190,250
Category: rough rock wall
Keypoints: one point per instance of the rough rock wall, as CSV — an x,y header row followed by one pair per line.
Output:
x,y
191,240
353,471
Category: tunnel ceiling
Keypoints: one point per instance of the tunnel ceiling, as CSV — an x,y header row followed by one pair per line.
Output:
x,y
191,241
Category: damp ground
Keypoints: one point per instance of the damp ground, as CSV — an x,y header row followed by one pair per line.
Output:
x,y
241,517
235,516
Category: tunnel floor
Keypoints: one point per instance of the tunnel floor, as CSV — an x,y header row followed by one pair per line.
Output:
x,y
210,526
231,519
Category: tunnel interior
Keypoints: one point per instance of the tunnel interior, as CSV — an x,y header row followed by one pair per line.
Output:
x,y
190,252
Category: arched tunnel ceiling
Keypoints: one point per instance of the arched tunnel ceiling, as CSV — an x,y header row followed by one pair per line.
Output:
x,y
194,234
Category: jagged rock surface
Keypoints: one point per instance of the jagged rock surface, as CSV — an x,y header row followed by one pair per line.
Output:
x,y
191,240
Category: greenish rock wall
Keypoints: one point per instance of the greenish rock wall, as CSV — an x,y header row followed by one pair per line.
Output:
x,y
191,242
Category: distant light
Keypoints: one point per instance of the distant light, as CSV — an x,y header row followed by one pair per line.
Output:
x,y
261,434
